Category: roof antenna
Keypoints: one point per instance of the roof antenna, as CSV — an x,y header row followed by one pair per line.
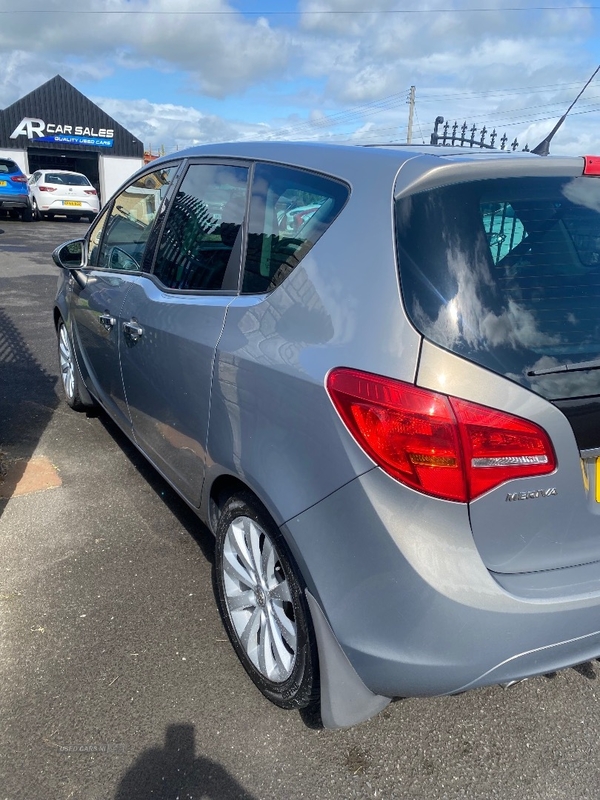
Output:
x,y
543,147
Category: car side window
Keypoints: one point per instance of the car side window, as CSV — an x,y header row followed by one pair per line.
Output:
x,y
503,229
202,227
290,210
119,240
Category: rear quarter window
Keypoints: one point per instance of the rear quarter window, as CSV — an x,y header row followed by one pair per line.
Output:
x,y
290,210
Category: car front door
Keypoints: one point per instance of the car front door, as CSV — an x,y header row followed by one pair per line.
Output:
x,y
117,250
173,318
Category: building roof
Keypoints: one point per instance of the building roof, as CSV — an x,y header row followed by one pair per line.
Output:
x,y
57,105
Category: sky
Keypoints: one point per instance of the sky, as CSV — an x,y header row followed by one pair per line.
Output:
x,y
183,72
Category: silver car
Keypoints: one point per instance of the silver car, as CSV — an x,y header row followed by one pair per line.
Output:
x,y
389,416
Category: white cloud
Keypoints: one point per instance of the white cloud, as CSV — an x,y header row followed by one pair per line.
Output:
x,y
220,54
320,63
173,126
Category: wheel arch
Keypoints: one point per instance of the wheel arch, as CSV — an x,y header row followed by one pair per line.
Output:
x,y
57,315
87,400
227,485
222,488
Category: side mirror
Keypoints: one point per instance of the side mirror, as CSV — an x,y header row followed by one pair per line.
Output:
x,y
70,255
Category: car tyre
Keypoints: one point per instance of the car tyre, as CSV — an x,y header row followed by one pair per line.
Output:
x,y
261,598
27,214
35,212
71,380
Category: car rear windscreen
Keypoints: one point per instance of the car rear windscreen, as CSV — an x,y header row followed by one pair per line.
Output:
x,y
506,273
8,167
66,180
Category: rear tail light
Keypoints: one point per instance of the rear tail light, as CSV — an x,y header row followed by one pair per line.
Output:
x,y
18,178
90,191
438,445
591,165
47,188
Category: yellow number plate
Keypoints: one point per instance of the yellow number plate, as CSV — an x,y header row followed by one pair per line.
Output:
x,y
71,203
3,183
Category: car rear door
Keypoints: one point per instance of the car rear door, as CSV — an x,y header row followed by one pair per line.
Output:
x,y
172,320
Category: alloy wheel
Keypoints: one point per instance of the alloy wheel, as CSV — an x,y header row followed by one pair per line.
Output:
x,y
259,600
67,368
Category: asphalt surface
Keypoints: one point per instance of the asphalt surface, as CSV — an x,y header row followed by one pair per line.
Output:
x,y
117,681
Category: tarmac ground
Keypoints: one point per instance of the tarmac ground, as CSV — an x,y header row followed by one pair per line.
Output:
x,y
117,681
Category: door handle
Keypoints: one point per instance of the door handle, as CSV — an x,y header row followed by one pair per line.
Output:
x,y
107,321
132,330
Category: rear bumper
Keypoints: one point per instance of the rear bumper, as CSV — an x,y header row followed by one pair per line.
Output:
x,y
85,209
412,605
15,201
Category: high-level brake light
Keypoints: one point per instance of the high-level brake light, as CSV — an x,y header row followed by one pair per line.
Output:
x,y
591,165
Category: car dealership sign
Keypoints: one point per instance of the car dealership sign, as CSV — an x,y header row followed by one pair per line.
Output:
x,y
38,130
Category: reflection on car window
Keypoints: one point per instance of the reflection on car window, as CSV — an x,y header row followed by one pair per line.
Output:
x,y
289,211
66,179
94,238
507,274
8,167
503,228
127,227
201,229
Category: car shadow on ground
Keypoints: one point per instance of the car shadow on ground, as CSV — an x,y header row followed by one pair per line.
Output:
x,y
178,507
27,402
173,772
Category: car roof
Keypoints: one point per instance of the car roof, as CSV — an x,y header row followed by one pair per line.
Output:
x,y
399,152
62,171
352,161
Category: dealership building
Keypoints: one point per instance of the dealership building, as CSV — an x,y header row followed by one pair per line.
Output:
x,y
57,127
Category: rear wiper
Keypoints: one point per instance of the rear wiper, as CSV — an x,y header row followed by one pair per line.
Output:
x,y
580,366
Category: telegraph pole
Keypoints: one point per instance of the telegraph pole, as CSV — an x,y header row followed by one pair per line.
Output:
x,y
411,112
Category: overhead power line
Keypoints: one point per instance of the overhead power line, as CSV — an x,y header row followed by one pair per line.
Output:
x,y
295,13
379,133
360,113
390,102
468,93
354,114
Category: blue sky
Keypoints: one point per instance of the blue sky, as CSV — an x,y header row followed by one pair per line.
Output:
x,y
326,71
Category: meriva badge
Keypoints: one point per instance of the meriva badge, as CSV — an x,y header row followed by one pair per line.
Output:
x,y
511,496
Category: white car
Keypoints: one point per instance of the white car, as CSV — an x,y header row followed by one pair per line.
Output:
x,y
58,191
